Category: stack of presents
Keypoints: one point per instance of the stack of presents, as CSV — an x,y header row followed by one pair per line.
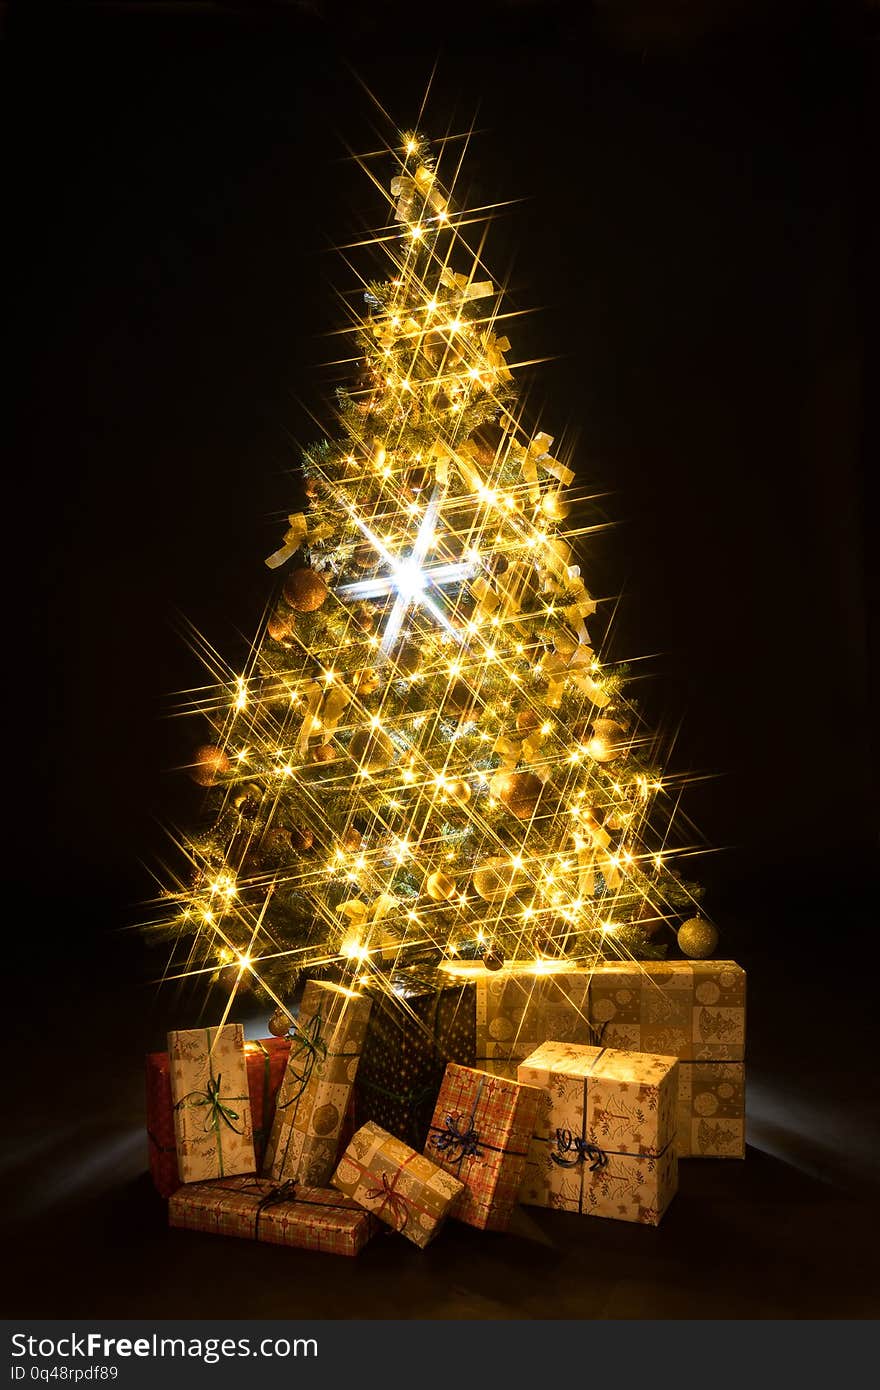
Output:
x,y
436,1096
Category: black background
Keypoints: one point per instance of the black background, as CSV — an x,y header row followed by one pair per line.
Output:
x,y
697,236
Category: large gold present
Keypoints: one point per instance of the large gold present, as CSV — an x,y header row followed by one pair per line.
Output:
x,y
605,1140
399,1186
325,1050
213,1129
693,1010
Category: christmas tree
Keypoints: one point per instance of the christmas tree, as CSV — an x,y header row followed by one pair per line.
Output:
x,y
426,761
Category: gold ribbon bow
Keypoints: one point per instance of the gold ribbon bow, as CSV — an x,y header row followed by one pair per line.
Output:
x,y
361,914
324,706
558,667
297,534
406,187
592,843
494,349
464,288
512,751
537,452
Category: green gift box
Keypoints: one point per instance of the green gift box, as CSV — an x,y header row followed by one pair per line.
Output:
x,y
421,1020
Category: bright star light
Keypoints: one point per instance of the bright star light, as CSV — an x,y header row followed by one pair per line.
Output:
x,y
408,580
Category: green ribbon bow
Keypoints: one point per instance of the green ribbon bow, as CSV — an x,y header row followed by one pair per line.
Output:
x,y
218,1112
310,1046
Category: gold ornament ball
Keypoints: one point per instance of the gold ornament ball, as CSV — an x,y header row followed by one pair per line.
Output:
x,y
495,878
527,719
493,958
555,506
351,839
553,938
521,793
279,626
371,749
322,753
275,845
697,938
302,840
366,556
208,764
247,799
439,886
458,791
305,590
365,682
459,699
279,1023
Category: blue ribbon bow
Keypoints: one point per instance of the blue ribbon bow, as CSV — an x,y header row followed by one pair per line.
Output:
x,y
567,1143
459,1134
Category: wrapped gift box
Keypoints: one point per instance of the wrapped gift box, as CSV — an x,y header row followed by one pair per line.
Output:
x,y
265,1059
693,1010
421,1020
480,1133
403,1188
604,1143
309,1112
711,1110
213,1128
310,1218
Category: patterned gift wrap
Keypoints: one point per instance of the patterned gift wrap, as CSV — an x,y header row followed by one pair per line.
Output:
x,y
310,1218
711,1110
401,1187
325,1050
212,1110
421,1020
693,1010
481,1132
517,1012
266,1060
605,1140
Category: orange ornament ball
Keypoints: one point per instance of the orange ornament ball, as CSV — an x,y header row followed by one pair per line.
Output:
x,y
209,764
305,590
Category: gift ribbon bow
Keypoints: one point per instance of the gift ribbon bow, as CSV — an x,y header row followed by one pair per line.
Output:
x,y
567,1143
592,843
361,914
297,534
394,1201
456,1135
404,188
218,1112
313,1048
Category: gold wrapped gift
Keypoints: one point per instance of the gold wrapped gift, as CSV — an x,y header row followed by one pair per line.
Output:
x,y
605,1140
213,1128
399,1186
693,1010
325,1050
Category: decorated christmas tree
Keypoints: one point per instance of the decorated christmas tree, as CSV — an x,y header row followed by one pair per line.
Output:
x,y
426,760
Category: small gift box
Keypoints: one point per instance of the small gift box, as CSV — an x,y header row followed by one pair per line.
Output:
x,y
213,1128
480,1133
604,1143
421,1019
325,1050
265,1059
309,1218
399,1186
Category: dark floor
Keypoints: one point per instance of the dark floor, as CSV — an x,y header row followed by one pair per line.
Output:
x,y
792,1232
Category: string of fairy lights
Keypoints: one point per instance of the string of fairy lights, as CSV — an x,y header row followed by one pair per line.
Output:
x,y
424,754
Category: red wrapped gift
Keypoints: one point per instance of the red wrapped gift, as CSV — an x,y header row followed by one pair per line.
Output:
x,y
266,1063
310,1218
481,1132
